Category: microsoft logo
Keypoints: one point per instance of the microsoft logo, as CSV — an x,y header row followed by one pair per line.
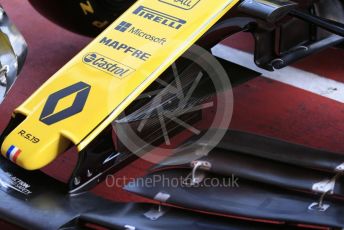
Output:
x,y
123,26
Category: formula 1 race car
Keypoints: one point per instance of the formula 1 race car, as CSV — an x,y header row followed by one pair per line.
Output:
x,y
121,78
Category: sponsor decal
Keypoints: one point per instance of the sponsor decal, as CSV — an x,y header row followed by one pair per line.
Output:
x,y
123,26
49,116
14,183
127,49
159,17
128,27
13,153
107,65
183,4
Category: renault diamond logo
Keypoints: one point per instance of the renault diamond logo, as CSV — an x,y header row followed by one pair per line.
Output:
x,y
49,116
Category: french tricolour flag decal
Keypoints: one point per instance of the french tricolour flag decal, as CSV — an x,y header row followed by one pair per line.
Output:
x,y
13,153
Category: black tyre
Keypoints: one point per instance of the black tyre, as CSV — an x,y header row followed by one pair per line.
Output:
x,y
87,17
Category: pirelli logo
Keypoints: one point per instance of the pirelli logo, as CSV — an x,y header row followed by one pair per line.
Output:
x,y
159,17
182,4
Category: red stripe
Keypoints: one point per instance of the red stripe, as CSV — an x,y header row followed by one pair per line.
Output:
x,y
16,155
